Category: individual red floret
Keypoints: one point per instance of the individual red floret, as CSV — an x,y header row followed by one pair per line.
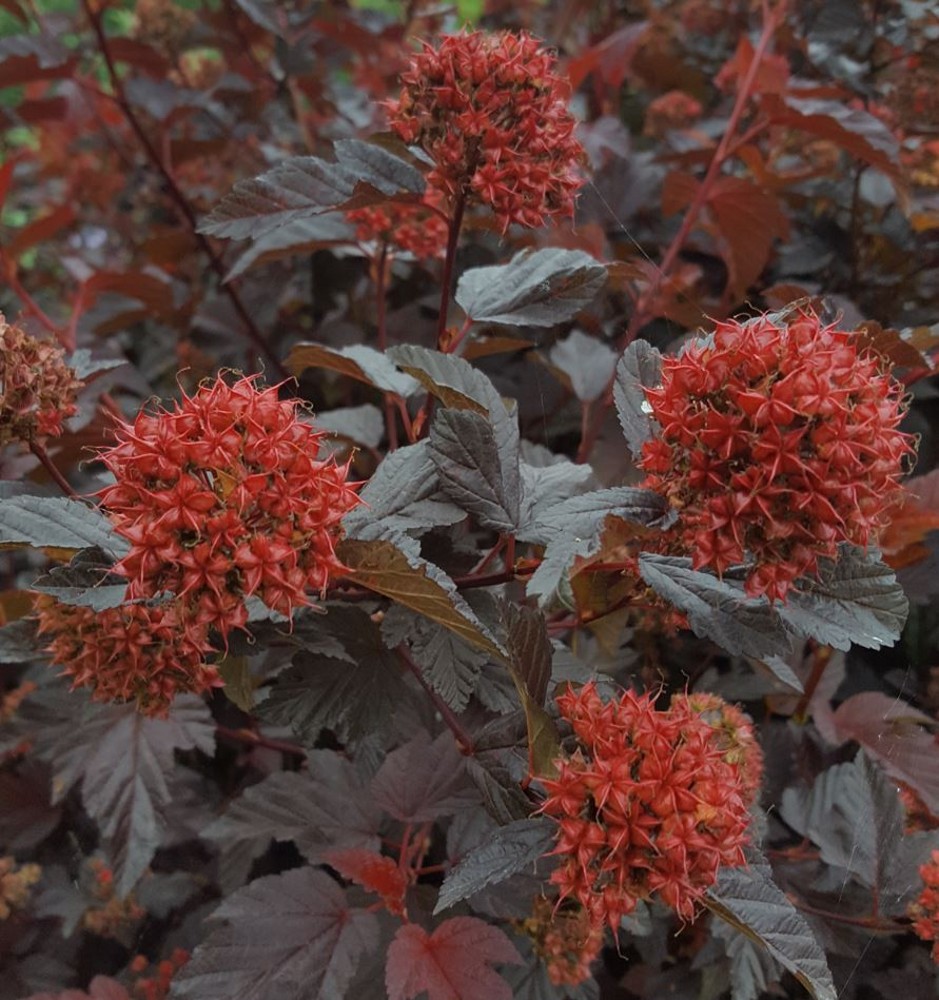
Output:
x,y
779,441
37,387
734,734
491,112
224,497
647,806
402,227
565,939
925,910
135,652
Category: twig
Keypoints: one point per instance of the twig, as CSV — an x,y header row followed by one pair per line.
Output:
x,y
64,485
465,741
453,238
250,738
185,209
728,145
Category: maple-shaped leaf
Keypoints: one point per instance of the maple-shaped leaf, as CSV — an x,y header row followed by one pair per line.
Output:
x,y
423,780
375,872
326,808
123,762
452,963
284,937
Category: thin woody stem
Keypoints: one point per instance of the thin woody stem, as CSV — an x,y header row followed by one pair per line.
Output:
x,y
185,209
380,268
453,238
467,747
64,485
728,145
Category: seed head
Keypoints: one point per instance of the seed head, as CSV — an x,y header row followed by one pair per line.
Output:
x,y
491,112
778,442
925,910
647,806
136,652
224,497
37,387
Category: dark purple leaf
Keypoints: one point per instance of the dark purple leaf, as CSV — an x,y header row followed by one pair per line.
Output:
x,y
325,808
472,472
536,288
423,780
290,937
639,367
122,762
748,899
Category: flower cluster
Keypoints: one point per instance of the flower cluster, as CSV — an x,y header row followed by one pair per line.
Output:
x,y
565,939
401,226
734,734
491,112
223,498
156,985
135,652
37,387
673,110
778,442
109,915
924,912
648,805
16,882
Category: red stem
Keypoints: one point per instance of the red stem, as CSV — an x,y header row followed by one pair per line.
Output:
x,y
253,739
463,738
185,209
64,485
725,148
453,237
770,24
380,267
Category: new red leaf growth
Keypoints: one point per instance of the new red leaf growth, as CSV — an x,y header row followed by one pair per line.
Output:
x,y
453,963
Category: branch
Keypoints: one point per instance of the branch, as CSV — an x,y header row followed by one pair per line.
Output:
x,y
464,740
185,209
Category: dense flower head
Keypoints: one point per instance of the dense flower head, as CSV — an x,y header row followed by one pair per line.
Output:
x,y
924,912
401,227
16,882
37,387
734,734
779,441
136,652
491,112
647,806
565,938
223,498
156,984
673,110
109,915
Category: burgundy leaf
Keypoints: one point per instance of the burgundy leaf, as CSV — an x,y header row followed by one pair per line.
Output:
x,y
453,963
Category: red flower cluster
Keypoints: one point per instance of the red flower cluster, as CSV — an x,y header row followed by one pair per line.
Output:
x,y
734,735
676,109
37,387
647,806
491,112
565,939
779,441
156,986
16,882
135,652
223,498
411,228
925,911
